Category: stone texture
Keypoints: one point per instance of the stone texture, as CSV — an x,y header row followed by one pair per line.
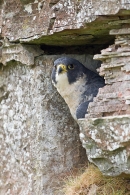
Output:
x,y
106,130
24,54
39,140
113,99
77,22
107,143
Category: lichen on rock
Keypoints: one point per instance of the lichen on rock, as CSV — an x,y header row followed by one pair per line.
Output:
x,y
106,130
39,139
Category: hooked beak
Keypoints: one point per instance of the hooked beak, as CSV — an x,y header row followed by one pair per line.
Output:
x,y
61,68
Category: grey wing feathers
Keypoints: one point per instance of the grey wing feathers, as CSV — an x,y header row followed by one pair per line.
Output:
x,y
91,91
82,109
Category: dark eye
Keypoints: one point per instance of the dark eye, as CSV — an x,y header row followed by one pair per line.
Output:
x,y
70,66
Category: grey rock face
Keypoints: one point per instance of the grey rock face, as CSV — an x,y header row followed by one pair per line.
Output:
x,y
32,21
24,54
106,141
105,132
39,138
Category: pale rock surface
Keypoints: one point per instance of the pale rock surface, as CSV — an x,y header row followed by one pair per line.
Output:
x,y
105,133
39,140
106,141
33,20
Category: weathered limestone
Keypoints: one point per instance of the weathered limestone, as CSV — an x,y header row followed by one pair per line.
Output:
x,y
32,21
25,54
107,143
105,133
39,140
113,99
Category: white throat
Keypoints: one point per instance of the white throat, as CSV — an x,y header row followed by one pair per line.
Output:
x,y
70,92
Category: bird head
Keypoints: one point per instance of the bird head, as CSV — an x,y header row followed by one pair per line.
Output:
x,y
69,77
67,70
76,84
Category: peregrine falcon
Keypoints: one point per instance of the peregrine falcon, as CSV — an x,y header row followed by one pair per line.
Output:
x,y
76,84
